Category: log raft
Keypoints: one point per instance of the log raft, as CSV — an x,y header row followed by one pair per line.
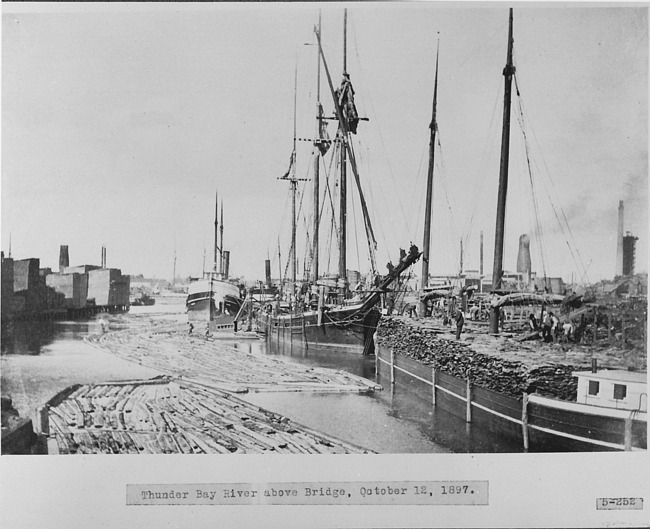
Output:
x,y
191,408
171,350
167,416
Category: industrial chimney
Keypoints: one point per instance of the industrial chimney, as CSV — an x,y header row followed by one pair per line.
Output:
x,y
64,258
619,241
629,251
267,264
523,258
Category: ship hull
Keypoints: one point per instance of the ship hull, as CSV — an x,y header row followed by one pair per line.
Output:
x,y
345,328
536,423
212,300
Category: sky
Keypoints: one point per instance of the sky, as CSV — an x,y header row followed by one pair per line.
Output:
x,y
121,122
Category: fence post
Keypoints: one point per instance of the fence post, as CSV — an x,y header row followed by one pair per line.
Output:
x,y
433,389
468,411
524,419
374,339
43,420
628,433
392,366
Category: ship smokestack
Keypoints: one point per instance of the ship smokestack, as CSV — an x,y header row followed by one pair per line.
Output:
x,y
64,258
267,265
619,240
226,263
523,258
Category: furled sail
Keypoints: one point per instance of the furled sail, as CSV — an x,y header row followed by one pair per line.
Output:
x,y
324,142
345,96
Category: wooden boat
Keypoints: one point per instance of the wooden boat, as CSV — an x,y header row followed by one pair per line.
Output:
x,y
343,320
537,422
143,300
214,299
616,421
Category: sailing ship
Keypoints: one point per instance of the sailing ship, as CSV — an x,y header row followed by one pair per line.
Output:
x,y
611,408
214,299
143,299
324,311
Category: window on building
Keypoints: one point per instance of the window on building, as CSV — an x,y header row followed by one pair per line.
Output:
x,y
620,391
594,386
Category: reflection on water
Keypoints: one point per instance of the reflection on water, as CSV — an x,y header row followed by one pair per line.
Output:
x,y
439,427
442,427
330,357
40,359
32,337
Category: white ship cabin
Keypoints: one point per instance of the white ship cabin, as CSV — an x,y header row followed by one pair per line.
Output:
x,y
615,388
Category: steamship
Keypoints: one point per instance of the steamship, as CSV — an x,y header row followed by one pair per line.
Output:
x,y
214,299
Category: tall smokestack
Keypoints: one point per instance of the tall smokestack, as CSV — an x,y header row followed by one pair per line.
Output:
x,y
267,265
523,258
619,240
64,258
629,250
226,263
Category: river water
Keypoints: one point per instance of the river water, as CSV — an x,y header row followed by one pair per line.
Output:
x,y
39,360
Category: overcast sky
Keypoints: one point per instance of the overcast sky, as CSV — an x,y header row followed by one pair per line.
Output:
x,y
119,123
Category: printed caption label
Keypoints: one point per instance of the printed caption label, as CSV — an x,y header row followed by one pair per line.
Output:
x,y
317,493
612,504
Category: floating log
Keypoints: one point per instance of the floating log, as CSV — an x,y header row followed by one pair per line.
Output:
x,y
179,418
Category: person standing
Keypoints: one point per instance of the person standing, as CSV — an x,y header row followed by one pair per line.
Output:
x,y
546,327
554,326
460,320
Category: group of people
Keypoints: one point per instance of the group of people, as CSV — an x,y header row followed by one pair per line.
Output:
x,y
550,327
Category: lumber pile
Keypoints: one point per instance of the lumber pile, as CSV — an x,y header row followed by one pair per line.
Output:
x,y
162,416
489,371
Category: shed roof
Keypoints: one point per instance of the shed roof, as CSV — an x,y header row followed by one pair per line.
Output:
x,y
619,375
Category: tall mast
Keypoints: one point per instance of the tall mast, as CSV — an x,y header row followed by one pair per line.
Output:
x,y
461,256
293,181
427,215
343,183
174,276
294,184
319,110
348,119
216,231
221,245
497,271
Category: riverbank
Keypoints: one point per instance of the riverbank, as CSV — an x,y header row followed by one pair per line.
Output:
x,y
502,363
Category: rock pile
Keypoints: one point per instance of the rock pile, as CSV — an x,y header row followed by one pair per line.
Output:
x,y
491,372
